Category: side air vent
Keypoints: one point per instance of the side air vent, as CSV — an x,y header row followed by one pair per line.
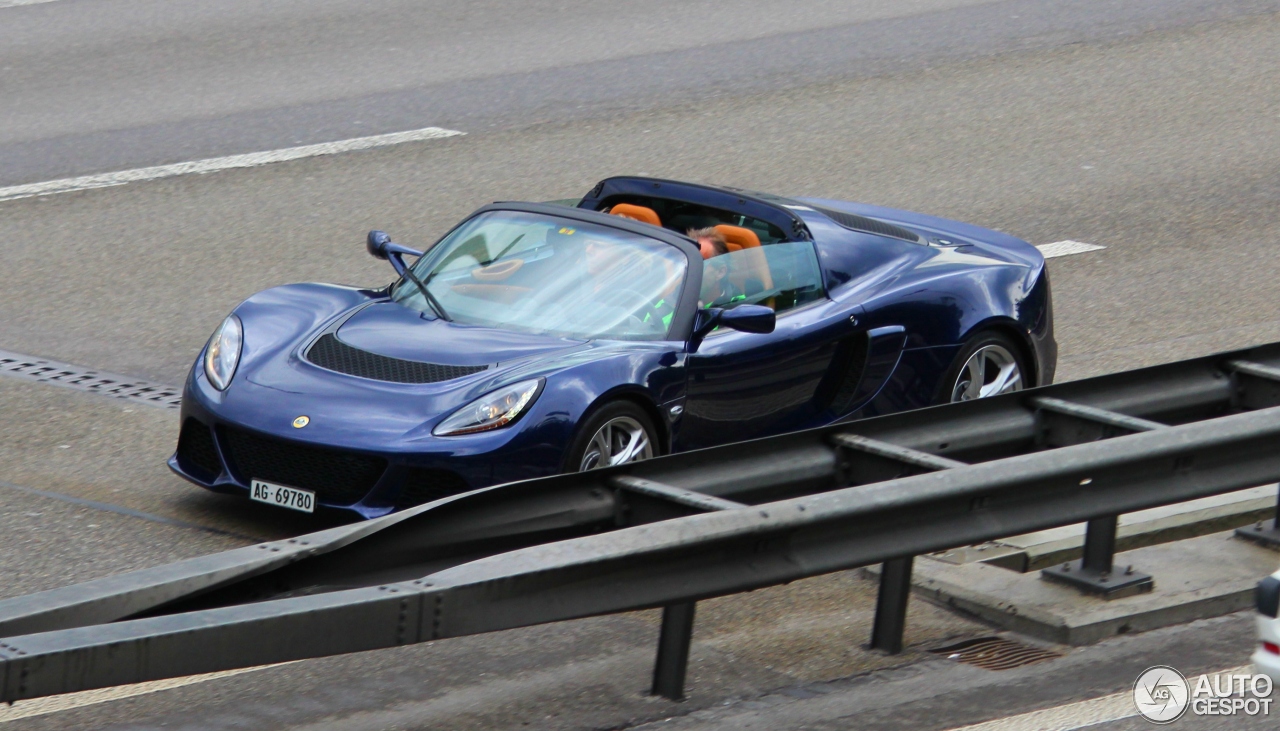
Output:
x,y
839,388
868,225
331,353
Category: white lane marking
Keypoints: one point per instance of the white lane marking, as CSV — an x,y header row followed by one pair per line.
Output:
x,y
1066,248
16,3
58,703
252,159
1079,715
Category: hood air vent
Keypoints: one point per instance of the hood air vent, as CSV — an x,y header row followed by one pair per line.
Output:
x,y
868,225
331,353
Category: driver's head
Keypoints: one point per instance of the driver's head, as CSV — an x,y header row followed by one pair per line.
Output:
x,y
710,241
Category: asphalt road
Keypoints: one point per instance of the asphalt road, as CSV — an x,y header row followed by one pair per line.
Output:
x,y
98,85
1150,128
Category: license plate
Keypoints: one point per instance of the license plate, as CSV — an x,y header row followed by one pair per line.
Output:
x,y
285,497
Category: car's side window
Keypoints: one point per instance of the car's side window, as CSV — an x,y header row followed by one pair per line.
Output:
x,y
782,276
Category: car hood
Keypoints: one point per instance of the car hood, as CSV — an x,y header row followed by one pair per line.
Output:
x,y
392,330
282,324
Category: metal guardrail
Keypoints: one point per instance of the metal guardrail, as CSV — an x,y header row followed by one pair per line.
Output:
x,y
671,531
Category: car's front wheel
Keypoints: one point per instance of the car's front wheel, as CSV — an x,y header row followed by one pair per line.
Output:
x,y
618,433
989,364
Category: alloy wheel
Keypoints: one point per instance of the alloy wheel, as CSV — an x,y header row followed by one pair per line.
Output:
x,y
990,371
619,440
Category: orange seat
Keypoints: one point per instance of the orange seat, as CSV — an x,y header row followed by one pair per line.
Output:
x,y
750,265
637,213
737,237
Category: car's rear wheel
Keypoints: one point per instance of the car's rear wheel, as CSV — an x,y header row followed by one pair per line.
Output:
x,y
988,365
618,433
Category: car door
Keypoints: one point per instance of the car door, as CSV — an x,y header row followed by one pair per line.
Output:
x,y
746,385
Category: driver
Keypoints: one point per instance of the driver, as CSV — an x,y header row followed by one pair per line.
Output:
x,y
717,288
710,241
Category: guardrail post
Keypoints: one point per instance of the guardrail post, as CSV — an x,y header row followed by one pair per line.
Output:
x,y
1266,532
891,605
1094,573
1100,544
673,650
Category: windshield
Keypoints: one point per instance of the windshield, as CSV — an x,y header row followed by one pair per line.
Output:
x,y
536,273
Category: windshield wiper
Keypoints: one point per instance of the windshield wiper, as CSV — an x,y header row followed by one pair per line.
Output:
x,y
502,253
426,293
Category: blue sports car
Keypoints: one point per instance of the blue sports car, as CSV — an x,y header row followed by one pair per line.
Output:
x,y
536,338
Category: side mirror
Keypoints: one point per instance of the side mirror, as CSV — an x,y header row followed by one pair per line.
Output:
x,y
743,318
380,246
749,319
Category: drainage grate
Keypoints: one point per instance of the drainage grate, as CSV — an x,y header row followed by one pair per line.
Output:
x,y
995,653
89,379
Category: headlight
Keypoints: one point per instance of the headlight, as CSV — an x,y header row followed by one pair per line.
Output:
x,y
491,411
222,354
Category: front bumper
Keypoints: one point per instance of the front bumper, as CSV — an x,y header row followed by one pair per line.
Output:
x,y
369,477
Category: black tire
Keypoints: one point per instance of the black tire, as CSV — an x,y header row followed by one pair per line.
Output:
x,y
622,414
996,341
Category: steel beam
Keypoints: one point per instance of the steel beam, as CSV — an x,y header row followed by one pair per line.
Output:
x,y
566,553
675,495
913,457
1123,422
670,562
403,545
1261,370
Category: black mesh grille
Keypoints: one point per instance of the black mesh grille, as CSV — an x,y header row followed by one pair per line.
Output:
x,y
422,485
197,453
330,352
869,225
340,478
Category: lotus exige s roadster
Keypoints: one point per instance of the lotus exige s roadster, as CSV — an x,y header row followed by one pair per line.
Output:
x,y
537,338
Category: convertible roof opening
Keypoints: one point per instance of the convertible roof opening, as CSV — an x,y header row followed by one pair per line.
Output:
x,y
682,206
